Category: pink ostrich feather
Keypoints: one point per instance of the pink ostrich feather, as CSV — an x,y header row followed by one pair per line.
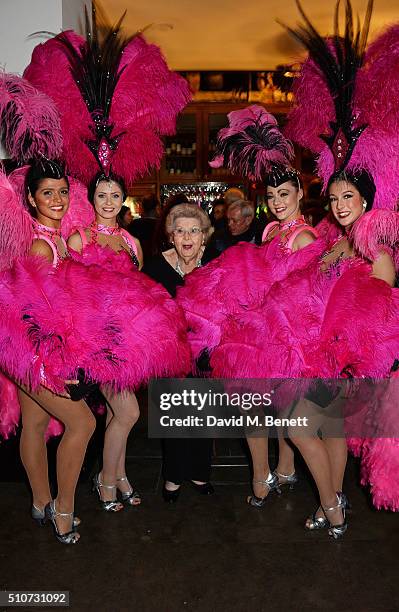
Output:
x,y
30,122
147,93
16,233
314,109
375,230
80,212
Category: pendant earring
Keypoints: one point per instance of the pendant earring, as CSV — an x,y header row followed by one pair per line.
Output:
x,y
364,204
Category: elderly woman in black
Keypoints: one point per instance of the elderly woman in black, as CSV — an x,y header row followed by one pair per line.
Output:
x,y
188,228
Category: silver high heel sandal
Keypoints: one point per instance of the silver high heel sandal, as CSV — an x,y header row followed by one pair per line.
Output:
x,y
289,480
112,505
271,483
314,522
40,517
70,537
336,531
131,497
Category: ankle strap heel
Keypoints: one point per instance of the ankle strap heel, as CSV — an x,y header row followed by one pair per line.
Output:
x,y
70,537
336,531
112,505
289,480
271,483
131,497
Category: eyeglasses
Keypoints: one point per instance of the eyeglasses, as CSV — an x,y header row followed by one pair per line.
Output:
x,y
194,231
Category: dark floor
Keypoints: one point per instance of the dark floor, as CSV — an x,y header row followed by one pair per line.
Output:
x,y
202,554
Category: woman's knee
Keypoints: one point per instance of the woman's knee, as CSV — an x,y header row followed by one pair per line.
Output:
x,y
36,425
82,422
127,418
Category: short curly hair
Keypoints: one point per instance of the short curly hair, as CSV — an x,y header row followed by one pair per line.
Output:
x,y
188,211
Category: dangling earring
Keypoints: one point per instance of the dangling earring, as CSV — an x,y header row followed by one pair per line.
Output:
x,y
364,204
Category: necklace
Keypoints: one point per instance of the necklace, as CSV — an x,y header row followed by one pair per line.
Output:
x,y
298,221
98,228
107,229
53,236
50,232
179,269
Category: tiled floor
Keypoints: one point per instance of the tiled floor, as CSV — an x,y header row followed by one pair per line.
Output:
x,y
203,554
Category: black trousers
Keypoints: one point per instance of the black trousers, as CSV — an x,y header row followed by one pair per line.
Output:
x,y
187,459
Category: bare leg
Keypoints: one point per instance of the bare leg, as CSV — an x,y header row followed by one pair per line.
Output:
x,y
33,448
286,464
122,414
79,426
338,453
315,453
260,463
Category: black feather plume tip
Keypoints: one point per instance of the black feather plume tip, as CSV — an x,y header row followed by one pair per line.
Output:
x,y
95,66
338,57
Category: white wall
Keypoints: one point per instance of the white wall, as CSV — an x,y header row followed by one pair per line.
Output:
x,y
73,14
18,21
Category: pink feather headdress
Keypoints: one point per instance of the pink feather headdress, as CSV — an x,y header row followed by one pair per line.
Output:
x,y
116,97
253,145
346,104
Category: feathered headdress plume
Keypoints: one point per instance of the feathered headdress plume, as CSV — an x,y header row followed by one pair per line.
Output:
x,y
29,120
346,102
338,59
252,145
115,94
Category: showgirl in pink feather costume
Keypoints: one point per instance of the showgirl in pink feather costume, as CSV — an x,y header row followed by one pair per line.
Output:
x,y
145,320
243,275
116,99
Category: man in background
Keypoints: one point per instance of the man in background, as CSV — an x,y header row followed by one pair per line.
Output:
x,y
241,227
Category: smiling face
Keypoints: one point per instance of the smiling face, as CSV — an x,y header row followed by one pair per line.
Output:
x,y
108,200
187,237
347,205
51,201
284,201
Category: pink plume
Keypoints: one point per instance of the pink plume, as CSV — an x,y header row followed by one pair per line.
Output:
x,y
375,230
148,93
375,105
313,110
16,233
29,119
80,212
